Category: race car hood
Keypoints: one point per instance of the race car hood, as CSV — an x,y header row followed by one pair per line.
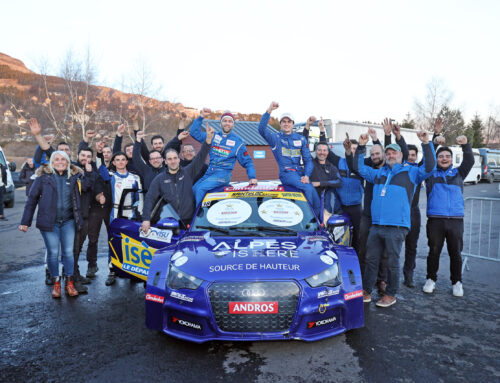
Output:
x,y
228,258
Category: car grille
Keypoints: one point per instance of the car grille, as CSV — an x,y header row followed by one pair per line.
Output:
x,y
285,293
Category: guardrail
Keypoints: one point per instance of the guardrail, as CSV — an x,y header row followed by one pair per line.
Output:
x,y
481,229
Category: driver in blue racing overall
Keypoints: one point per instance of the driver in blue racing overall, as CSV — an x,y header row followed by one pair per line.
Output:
x,y
225,149
289,148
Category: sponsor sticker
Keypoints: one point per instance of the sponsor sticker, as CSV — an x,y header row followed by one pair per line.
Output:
x,y
327,293
157,235
253,307
326,259
182,297
297,143
229,212
316,239
137,256
217,138
185,323
221,151
353,294
321,322
230,143
280,212
155,298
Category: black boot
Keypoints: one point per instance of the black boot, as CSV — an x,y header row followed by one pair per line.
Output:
x,y
91,271
83,280
408,282
49,281
77,282
111,278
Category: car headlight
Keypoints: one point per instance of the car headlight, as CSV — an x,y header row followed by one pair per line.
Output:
x,y
178,279
328,277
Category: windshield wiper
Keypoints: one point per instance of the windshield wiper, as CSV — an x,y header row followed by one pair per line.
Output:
x,y
211,228
276,229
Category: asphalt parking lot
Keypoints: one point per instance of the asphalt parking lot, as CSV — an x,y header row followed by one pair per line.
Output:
x,y
101,336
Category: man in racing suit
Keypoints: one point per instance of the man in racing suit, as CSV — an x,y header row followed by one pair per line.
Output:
x,y
225,149
289,148
120,179
175,184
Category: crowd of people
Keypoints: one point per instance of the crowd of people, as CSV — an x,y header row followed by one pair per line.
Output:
x,y
380,193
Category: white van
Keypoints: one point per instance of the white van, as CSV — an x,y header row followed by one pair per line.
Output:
x,y
8,198
474,175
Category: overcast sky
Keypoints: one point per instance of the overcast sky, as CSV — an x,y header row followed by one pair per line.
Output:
x,y
353,60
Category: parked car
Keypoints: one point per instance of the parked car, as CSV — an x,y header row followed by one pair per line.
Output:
x,y
254,264
9,197
490,164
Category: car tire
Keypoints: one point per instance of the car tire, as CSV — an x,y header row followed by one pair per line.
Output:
x,y
490,178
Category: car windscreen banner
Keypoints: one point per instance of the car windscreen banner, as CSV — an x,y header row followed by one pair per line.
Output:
x,y
253,194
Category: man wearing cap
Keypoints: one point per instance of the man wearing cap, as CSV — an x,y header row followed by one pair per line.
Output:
x,y
226,148
394,186
445,214
289,148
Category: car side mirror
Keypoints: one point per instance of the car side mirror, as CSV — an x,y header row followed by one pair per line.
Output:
x,y
338,220
12,166
168,223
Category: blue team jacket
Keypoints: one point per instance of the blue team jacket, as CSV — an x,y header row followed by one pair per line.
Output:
x,y
351,191
445,188
393,189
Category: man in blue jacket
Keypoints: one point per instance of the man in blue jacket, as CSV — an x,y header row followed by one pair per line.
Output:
x,y
393,188
445,214
289,148
226,148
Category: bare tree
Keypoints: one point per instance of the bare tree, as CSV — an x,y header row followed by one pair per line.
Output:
x,y
438,95
79,76
492,128
142,86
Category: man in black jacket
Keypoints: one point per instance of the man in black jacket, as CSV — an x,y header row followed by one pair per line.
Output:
x,y
175,184
147,171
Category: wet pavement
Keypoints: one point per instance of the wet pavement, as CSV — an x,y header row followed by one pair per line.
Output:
x,y
101,336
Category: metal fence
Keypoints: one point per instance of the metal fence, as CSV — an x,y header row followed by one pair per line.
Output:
x,y
481,229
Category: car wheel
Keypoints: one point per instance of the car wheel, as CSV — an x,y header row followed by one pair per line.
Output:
x,y
490,178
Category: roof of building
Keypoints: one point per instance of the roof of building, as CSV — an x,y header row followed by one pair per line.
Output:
x,y
247,130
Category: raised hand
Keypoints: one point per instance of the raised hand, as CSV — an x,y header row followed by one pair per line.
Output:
x,y
99,146
182,121
140,135
89,134
273,106
438,125
396,129
321,124
347,144
210,133
311,120
439,140
120,130
205,112
373,134
35,127
461,140
182,135
363,139
387,125
423,136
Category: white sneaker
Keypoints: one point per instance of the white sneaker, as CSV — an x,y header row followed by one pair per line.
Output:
x,y
458,290
429,286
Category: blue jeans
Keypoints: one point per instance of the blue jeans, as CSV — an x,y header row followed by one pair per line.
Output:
x,y
390,239
208,182
329,200
293,179
62,236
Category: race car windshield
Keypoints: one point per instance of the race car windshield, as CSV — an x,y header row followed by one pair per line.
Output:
x,y
255,214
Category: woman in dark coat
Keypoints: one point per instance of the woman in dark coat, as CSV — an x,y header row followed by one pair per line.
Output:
x,y
56,190
27,172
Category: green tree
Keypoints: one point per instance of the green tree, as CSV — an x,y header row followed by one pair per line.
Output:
x,y
408,122
474,132
453,124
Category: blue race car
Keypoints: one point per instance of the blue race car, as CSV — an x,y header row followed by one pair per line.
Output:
x,y
255,264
